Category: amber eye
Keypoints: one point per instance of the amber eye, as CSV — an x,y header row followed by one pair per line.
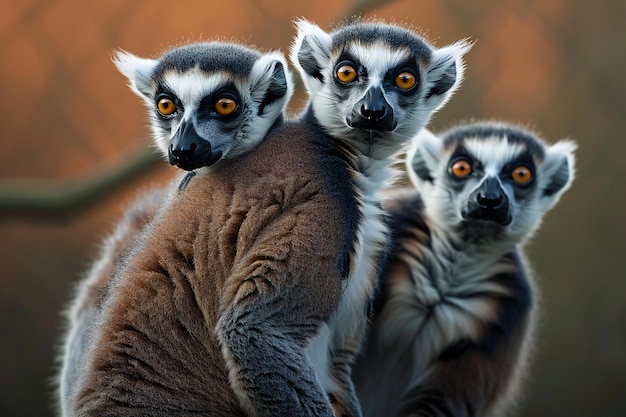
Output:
x,y
225,106
166,107
521,174
405,80
346,73
461,168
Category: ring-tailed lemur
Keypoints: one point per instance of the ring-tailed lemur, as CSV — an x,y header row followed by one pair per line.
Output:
x,y
269,263
372,86
208,103
451,331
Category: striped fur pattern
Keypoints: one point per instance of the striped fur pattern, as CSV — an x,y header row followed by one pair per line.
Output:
x,y
454,319
370,121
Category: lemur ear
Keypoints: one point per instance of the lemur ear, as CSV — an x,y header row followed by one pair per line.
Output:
x,y
310,52
270,84
423,157
137,70
558,169
445,73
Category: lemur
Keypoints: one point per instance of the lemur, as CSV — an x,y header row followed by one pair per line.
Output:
x,y
281,263
454,319
372,86
243,94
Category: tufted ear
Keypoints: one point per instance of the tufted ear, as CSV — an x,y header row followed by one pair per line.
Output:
x,y
138,71
444,74
310,53
270,84
423,157
557,170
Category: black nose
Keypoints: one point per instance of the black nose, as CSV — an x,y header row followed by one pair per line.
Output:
x,y
490,200
373,112
488,203
190,151
182,153
374,109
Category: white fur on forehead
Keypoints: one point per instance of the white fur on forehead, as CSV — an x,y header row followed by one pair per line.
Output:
x,y
137,70
193,85
495,151
378,63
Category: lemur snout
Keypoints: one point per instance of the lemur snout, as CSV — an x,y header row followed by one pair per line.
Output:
x,y
489,202
373,112
190,151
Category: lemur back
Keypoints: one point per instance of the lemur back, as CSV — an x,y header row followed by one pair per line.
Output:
x,y
258,267
455,314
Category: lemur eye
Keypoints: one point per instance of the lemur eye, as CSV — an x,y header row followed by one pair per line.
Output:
x,y
521,174
225,106
461,168
166,107
405,80
346,73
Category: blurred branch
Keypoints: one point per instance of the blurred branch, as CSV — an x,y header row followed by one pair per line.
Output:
x,y
63,199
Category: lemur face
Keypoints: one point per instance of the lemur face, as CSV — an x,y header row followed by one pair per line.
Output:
x,y
209,101
374,81
490,179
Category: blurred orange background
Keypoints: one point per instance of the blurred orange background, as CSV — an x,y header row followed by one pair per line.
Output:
x,y
67,119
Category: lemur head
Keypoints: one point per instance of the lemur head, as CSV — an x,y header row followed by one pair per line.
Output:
x,y
490,179
209,101
371,80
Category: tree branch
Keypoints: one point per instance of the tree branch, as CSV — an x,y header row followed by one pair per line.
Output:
x,y
64,199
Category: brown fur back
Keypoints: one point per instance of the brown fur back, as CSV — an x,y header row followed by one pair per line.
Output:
x,y
256,238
